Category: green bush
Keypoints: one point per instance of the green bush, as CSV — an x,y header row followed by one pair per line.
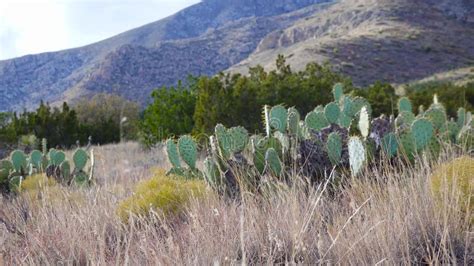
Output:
x,y
452,96
165,194
108,118
171,113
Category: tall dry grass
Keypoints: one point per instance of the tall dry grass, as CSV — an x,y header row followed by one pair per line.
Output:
x,y
387,217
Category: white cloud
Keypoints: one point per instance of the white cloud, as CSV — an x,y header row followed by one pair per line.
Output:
x,y
35,26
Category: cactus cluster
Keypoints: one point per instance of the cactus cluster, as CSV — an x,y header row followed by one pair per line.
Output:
x,y
185,150
53,163
340,135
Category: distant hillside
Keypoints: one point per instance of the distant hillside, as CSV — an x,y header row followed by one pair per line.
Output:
x,y
395,41
202,39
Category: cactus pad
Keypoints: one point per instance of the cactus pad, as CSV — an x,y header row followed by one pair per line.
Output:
x,y
278,117
239,138
357,155
404,105
334,148
404,119
364,122
211,172
80,158
390,144
407,145
260,147
273,162
81,178
345,121
188,150
422,131
58,158
437,116
338,92
36,158
319,108
293,121
65,170
332,112
461,119
19,161
223,140
358,103
348,106
316,120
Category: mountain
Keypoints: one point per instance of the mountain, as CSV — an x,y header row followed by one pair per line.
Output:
x,y
391,40
395,41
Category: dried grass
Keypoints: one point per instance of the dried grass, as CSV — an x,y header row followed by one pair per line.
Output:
x,y
387,217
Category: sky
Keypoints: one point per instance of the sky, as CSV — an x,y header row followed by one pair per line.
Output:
x,y
36,26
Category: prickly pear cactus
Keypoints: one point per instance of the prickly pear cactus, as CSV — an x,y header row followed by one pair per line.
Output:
x,y
348,106
357,156
266,119
284,140
434,148
318,109
211,172
19,162
293,121
390,144
404,105
334,148
338,91
260,147
345,120
278,117
404,120
65,170
358,103
436,116
223,140
58,158
188,150
273,162
422,131
316,120
407,145
239,138
364,122
80,158
461,119
332,112
36,158
81,179
51,154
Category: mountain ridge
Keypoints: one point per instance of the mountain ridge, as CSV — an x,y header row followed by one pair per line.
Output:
x,y
360,38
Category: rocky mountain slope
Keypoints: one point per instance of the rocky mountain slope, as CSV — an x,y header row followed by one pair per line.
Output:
x,y
390,40
393,41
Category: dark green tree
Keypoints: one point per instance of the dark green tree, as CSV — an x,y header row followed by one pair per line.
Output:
x,y
171,113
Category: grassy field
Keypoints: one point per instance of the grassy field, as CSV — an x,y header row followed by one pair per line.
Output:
x,y
387,217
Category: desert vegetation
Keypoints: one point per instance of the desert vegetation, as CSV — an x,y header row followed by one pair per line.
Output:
x,y
353,176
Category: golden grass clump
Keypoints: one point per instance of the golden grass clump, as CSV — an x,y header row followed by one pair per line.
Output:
x,y
33,183
454,178
166,194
